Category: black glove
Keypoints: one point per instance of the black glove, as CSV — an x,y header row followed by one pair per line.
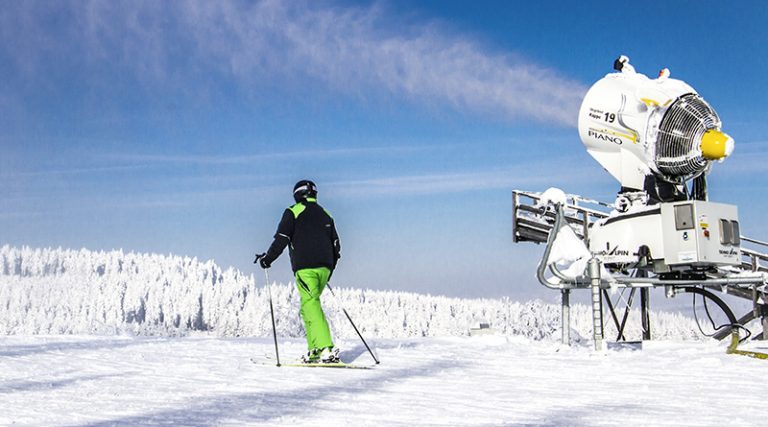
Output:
x,y
261,259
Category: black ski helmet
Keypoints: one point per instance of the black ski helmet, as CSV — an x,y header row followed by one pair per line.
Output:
x,y
304,189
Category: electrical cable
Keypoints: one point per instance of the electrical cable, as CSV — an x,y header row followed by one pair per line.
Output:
x,y
696,318
735,326
732,325
706,310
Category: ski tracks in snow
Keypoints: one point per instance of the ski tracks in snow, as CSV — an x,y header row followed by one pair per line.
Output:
x,y
487,381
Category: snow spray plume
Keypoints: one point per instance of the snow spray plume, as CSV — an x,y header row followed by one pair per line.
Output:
x,y
352,50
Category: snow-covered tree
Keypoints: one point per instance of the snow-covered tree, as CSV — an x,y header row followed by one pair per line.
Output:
x,y
55,291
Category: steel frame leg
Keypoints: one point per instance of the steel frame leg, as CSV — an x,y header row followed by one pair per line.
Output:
x,y
565,316
645,299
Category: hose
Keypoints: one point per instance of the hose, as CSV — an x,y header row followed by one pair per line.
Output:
x,y
732,349
735,340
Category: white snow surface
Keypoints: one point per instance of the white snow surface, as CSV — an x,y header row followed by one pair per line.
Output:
x,y
473,381
113,338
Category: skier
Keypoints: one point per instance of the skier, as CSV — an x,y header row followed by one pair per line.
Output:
x,y
314,249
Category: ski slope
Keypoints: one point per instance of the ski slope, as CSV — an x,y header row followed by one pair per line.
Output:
x,y
474,381
113,338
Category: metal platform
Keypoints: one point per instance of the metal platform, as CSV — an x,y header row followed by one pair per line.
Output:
x,y
533,222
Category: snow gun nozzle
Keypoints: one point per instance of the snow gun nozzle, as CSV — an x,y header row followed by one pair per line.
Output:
x,y
258,257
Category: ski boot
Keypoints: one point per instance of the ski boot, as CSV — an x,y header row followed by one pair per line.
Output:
x,y
329,355
312,356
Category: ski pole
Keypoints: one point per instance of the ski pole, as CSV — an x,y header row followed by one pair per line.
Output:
x,y
272,313
352,323
271,309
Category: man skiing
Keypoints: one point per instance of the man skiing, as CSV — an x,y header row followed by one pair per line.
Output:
x,y
314,247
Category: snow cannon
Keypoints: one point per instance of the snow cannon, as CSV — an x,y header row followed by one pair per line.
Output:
x,y
660,139
655,136
648,131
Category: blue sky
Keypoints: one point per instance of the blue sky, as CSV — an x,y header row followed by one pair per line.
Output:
x,y
181,127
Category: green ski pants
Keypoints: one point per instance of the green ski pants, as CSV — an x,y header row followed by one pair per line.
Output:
x,y
311,282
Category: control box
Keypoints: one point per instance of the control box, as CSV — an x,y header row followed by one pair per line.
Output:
x,y
678,234
699,233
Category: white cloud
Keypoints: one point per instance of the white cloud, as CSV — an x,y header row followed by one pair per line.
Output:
x,y
525,175
424,184
250,158
357,50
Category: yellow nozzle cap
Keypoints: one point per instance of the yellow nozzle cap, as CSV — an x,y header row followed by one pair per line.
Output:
x,y
716,145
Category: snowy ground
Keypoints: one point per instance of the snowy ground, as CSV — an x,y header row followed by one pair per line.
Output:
x,y
494,380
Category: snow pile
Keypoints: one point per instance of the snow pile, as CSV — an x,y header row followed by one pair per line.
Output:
x,y
57,291
553,196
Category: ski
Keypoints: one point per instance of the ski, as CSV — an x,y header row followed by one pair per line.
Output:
x,y
341,365
337,365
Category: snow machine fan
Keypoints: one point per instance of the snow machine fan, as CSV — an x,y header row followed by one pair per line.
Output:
x,y
652,135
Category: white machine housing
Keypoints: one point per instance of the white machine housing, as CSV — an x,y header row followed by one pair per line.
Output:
x,y
650,131
635,126
687,233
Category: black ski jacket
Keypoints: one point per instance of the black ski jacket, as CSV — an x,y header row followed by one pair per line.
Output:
x,y
311,234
